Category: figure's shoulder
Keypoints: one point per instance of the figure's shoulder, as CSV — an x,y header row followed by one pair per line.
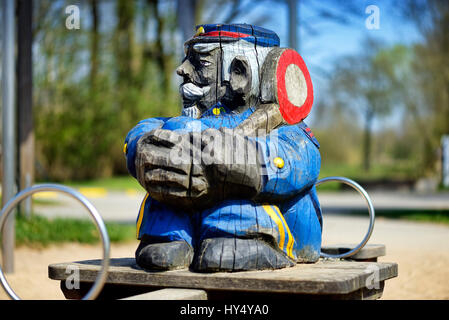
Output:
x,y
145,126
157,120
302,129
305,128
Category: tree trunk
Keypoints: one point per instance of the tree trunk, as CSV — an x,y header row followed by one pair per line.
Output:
x,y
161,59
367,140
25,101
94,44
124,43
186,17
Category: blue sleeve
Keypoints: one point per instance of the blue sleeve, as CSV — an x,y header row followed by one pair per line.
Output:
x,y
290,163
134,135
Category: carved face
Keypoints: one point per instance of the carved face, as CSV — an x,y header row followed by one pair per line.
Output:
x,y
201,71
226,72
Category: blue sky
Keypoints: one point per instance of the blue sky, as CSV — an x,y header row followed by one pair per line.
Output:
x,y
333,40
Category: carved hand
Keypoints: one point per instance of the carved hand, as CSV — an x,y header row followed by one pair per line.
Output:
x,y
232,164
165,168
193,174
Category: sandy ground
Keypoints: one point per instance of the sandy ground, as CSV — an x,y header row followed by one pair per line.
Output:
x,y
30,279
420,249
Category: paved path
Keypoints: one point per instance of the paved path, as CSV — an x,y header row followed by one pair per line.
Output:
x,y
112,205
386,200
124,206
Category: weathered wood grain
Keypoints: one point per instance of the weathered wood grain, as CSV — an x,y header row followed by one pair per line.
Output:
x,y
369,252
323,277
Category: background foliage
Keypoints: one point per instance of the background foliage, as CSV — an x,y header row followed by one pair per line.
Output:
x,y
93,85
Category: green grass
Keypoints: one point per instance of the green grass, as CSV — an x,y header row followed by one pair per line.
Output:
x,y
422,215
119,183
356,173
377,171
43,202
42,231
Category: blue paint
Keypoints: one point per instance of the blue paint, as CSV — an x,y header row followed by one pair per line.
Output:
x,y
254,34
291,188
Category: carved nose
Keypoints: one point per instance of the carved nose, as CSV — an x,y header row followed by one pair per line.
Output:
x,y
181,70
184,70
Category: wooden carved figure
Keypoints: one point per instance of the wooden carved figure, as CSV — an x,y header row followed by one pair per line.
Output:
x,y
230,182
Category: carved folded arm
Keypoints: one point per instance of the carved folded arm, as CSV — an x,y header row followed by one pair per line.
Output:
x,y
196,170
291,163
133,136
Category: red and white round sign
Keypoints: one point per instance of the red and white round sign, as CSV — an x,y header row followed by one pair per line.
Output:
x,y
294,87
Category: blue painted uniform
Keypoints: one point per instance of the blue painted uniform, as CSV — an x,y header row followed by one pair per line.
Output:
x,y
287,213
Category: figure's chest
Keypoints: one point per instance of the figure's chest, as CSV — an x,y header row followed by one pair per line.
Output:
x,y
214,118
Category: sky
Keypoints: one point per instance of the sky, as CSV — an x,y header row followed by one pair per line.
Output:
x,y
333,40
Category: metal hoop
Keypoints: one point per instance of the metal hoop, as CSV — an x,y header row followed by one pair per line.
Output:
x,y
99,223
365,195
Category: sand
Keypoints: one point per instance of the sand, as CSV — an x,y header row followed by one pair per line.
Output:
x,y
420,249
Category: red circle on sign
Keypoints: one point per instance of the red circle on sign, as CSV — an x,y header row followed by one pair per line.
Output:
x,y
291,113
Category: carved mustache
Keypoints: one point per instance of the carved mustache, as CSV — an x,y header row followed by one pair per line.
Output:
x,y
192,92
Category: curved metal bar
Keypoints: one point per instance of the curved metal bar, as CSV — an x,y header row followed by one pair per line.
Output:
x,y
99,223
365,195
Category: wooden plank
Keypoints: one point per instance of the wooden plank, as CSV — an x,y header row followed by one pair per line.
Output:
x,y
171,294
117,291
369,251
323,277
109,291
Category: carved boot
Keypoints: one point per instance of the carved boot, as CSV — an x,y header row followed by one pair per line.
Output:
x,y
235,254
164,256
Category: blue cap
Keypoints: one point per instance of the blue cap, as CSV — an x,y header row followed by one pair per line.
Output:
x,y
234,32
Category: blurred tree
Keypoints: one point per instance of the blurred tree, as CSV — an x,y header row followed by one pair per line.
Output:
x,y
94,84
363,84
337,131
425,87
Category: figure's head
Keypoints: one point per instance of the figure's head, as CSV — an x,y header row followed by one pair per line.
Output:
x,y
223,64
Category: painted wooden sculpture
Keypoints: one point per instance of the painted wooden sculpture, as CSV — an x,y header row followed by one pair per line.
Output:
x,y
230,182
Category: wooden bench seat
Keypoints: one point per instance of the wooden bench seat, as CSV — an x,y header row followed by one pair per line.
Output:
x,y
326,279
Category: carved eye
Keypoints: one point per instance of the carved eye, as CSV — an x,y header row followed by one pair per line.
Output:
x,y
238,67
205,63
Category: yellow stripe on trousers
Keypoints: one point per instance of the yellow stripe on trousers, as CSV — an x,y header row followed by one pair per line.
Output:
x,y
141,211
290,237
269,210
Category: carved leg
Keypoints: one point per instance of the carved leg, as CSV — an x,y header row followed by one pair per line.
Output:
x,y
164,256
238,235
166,238
235,254
303,215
